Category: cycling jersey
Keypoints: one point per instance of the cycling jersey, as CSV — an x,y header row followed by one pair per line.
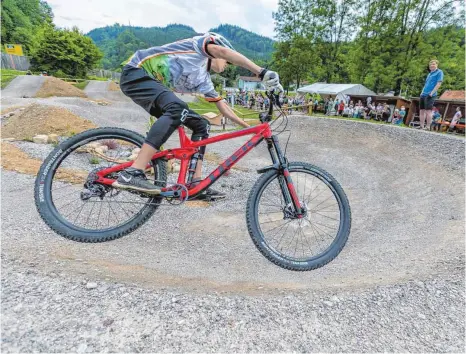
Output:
x,y
181,66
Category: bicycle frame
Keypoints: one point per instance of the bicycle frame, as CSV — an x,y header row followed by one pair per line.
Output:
x,y
189,148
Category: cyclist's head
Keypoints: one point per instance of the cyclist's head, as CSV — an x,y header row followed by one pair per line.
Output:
x,y
218,39
218,65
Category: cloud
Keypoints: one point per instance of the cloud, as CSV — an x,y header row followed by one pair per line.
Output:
x,y
202,15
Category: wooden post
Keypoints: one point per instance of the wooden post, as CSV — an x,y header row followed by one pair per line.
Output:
x,y
446,110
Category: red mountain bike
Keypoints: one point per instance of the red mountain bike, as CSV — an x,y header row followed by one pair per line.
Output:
x,y
297,214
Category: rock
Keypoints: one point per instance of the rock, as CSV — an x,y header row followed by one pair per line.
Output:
x,y
101,150
8,139
136,151
17,307
108,322
82,348
53,138
22,109
421,316
175,300
132,157
176,168
40,139
328,303
91,285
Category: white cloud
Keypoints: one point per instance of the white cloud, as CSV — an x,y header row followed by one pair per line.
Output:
x,y
202,15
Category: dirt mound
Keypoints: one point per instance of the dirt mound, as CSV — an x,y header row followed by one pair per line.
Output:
x,y
112,86
37,119
56,87
14,159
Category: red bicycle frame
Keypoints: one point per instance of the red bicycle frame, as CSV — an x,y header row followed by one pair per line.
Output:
x,y
189,148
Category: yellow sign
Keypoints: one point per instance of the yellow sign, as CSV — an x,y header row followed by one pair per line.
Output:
x,y
15,49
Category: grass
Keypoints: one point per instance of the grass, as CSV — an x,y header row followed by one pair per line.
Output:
x,y
94,160
80,85
204,107
7,75
97,78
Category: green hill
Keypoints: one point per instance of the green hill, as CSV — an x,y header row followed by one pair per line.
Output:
x,y
118,42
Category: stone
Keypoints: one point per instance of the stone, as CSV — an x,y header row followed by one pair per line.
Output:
x,y
136,151
176,168
132,157
101,149
91,285
40,139
53,138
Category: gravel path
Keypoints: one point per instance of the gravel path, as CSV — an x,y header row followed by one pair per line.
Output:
x,y
396,286
100,90
23,85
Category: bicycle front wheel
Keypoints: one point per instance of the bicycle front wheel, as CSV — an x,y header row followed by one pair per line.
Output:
x,y
292,243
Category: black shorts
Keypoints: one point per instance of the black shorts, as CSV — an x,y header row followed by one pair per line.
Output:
x,y
162,103
426,102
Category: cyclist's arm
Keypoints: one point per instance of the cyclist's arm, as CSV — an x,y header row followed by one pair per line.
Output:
x,y
228,113
233,57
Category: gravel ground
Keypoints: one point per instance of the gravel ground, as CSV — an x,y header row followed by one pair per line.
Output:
x,y
396,286
56,313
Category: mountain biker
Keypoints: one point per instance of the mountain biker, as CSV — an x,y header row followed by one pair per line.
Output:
x,y
183,66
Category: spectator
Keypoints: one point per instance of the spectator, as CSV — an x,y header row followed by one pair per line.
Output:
x,y
455,120
316,103
329,106
368,100
386,112
396,117
436,120
341,107
428,94
402,113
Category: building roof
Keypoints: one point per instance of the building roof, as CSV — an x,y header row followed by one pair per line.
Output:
x,y
250,78
335,89
453,95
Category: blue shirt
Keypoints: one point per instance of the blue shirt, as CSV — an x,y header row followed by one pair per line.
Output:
x,y
432,79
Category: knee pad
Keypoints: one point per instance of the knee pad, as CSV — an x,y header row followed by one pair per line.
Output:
x,y
178,112
200,128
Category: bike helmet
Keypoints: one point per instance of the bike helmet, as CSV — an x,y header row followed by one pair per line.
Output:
x,y
218,39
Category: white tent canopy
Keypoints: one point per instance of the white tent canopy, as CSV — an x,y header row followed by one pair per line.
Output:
x,y
337,90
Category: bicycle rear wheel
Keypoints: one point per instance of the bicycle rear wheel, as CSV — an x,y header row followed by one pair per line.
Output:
x,y
68,206
299,244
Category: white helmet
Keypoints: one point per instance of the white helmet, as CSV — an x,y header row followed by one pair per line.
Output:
x,y
218,39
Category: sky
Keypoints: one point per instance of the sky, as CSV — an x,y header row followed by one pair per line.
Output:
x,y
202,15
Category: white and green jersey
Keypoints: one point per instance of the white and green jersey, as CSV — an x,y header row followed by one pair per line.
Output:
x,y
181,66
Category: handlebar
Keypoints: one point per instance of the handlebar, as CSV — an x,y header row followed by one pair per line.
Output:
x,y
274,99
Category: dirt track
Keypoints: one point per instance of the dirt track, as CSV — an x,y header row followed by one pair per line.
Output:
x,y
23,86
406,190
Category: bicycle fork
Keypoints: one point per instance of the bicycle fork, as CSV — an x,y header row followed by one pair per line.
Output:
x,y
293,207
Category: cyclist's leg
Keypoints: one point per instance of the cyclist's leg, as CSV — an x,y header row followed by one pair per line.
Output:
x,y
160,102
200,128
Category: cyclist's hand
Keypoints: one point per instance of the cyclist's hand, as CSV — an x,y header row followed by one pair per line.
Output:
x,y
270,79
277,89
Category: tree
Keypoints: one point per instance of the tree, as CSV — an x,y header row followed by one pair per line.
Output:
x,y
294,59
22,19
66,50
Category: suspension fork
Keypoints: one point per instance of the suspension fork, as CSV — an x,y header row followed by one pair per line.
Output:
x,y
286,183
